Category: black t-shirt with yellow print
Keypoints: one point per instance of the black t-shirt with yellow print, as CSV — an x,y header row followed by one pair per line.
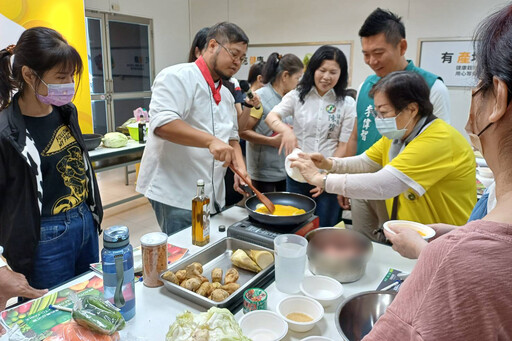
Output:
x,y
62,164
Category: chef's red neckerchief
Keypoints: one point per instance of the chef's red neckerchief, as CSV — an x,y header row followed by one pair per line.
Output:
x,y
201,64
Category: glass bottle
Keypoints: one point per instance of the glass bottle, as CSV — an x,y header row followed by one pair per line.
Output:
x,y
142,129
200,216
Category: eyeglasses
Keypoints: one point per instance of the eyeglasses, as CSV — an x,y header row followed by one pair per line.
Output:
x,y
242,59
377,114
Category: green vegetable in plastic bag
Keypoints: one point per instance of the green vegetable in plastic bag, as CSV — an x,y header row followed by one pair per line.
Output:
x,y
95,314
115,140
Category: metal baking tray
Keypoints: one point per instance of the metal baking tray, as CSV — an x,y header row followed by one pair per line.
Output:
x,y
218,255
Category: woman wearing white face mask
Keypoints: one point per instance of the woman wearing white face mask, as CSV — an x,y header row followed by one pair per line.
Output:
x,y
50,212
422,166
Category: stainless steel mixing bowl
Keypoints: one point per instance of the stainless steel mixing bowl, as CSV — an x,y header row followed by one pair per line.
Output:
x,y
347,263
357,314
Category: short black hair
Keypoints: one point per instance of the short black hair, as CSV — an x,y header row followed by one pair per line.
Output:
x,y
381,21
403,88
493,49
199,42
226,32
325,52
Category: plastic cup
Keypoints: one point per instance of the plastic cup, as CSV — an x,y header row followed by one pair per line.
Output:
x,y
290,262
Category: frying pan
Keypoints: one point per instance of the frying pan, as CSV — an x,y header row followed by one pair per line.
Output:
x,y
282,198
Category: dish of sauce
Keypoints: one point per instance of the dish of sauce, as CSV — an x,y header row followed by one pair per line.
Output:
x,y
423,234
299,317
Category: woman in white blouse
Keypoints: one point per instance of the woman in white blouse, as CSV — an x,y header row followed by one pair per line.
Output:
x,y
323,118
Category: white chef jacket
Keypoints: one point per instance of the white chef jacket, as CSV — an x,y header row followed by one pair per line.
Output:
x,y
321,122
169,171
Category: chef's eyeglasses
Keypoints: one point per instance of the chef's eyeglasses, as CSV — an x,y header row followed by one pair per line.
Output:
x,y
242,59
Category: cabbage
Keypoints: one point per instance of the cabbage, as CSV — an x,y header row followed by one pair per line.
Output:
x,y
114,140
214,325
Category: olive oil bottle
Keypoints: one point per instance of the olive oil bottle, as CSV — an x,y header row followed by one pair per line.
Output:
x,y
200,216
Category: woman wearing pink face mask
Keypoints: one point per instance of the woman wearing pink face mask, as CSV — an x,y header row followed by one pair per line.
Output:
x,y
50,212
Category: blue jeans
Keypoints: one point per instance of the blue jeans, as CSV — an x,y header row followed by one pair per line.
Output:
x,y
68,245
171,219
327,207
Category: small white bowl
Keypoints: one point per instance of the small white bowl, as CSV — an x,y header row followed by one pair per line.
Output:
x,y
263,325
293,173
486,172
324,289
425,231
300,304
317,338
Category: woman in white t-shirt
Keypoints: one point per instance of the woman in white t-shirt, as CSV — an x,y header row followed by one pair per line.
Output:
x,y
323,118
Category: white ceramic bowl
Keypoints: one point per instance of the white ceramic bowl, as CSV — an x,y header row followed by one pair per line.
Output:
x,y
317,338
486,172
300,304
263,325
425,231
324,289
293,173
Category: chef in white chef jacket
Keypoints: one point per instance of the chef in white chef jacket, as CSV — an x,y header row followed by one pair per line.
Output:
x,y
193,131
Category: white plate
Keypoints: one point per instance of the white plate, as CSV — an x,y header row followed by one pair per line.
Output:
x,y
293,173
427,231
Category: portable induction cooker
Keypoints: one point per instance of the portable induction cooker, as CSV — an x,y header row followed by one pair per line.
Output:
x,y
250,230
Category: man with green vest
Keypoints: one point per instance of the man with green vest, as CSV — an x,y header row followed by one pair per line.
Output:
x,y
384,46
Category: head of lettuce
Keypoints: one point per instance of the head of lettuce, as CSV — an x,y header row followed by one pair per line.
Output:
x,y
215,324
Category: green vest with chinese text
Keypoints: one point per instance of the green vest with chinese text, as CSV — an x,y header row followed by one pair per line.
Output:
x,y
367,133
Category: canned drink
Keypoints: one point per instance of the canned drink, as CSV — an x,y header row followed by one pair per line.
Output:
x,y
254,299
154,258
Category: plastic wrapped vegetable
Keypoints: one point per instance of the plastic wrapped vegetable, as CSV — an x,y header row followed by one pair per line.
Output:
x,y
114,140
71,331
97,315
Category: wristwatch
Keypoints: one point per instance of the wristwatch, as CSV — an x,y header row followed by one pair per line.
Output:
x,y
325,180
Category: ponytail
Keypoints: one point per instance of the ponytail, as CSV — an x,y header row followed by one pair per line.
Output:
x,y
277,64
6,82
271,68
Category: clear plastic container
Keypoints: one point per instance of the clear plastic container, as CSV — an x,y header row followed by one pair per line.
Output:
x,y
154,258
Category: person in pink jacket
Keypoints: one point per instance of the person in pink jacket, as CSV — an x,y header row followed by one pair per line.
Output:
x,y
460,288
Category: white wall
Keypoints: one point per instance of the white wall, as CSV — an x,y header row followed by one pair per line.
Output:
x,y
279,21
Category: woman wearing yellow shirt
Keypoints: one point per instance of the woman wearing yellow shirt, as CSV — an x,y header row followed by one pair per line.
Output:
x,y
422,167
